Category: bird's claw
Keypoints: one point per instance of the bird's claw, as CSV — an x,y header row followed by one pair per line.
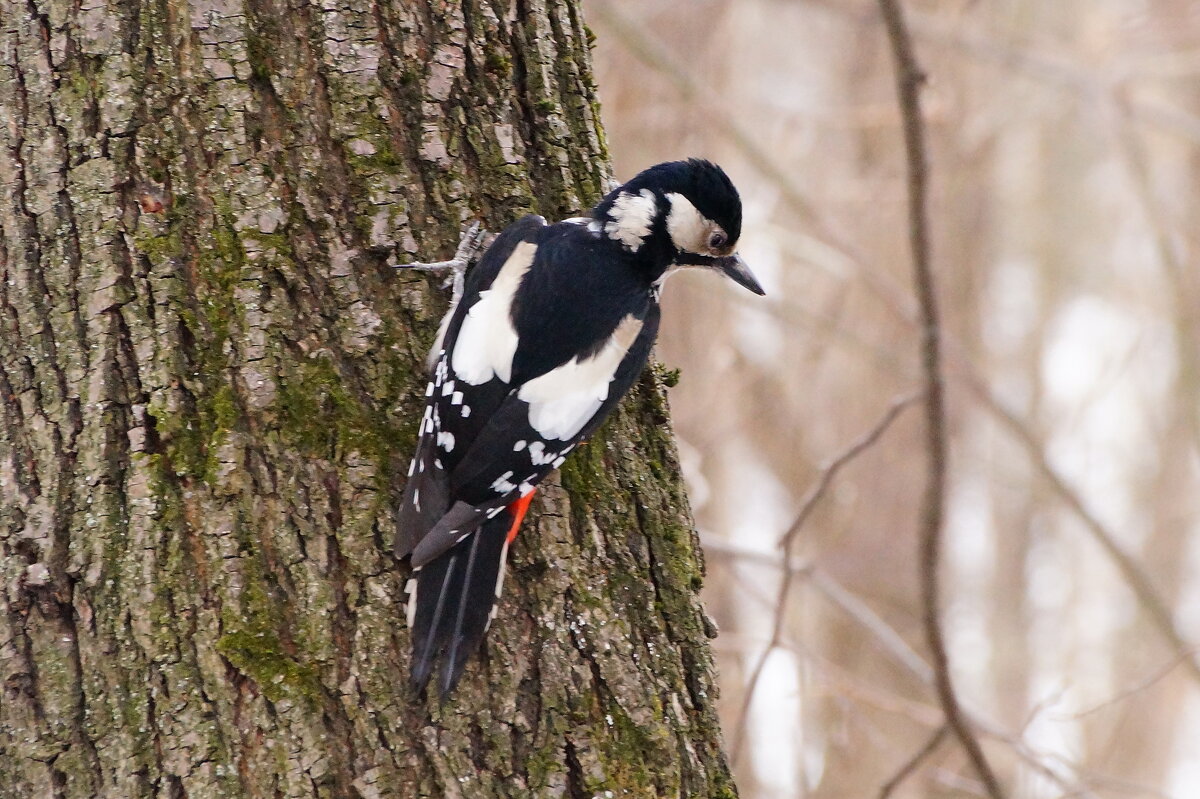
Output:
x,y
469,249
473,242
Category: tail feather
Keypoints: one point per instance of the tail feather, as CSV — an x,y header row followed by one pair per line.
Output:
x,y
452,603
429,621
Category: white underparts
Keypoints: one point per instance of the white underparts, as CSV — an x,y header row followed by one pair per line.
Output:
x,y
487,339
564,399
670,270
631,216
689,229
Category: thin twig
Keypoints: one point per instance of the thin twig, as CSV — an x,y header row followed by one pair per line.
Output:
x,y
892,642
913,762
830,470
1050,68
785,586
908,83
1132,572
1184,285
897,649
1142,685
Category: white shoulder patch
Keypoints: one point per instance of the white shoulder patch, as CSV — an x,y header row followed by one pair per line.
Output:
x,y
564,399
487,339
686,225
632,215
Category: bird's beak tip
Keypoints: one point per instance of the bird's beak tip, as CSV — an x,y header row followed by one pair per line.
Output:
x,y
736,270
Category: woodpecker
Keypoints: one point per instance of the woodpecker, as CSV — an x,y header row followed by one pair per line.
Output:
x,y
553,325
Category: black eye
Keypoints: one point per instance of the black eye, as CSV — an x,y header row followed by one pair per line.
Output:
x,y
717,240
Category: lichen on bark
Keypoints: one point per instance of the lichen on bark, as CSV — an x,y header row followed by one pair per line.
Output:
x,y
209,378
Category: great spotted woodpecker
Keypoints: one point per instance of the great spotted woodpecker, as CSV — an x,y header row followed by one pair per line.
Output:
x,y
553,325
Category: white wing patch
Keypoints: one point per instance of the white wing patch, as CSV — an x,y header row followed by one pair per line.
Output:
x,y
688,227
632,215
563,400
487,339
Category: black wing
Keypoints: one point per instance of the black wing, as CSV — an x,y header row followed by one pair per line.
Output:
x,y
482,443
426,494
509,456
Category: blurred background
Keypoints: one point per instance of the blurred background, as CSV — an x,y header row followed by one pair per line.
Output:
x,y
1065,153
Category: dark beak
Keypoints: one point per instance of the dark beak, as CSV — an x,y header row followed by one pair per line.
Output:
x,y
736,270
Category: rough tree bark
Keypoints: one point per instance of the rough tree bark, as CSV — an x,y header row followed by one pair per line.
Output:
x,y
209,387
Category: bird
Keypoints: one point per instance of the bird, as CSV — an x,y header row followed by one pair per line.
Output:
x,y
553,325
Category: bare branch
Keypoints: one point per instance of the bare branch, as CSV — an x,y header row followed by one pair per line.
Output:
x,y
655,55
806,507
830,470
908,83
1142,685
1050,68
894,645
913,763
1132,572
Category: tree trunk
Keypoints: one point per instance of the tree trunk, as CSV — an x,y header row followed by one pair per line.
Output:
x,y
210,382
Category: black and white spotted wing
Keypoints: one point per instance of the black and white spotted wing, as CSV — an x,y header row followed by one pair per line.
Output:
x,y
530,364
451,417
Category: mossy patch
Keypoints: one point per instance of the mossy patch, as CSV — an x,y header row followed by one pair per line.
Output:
x,y
259,655
255,629
320,415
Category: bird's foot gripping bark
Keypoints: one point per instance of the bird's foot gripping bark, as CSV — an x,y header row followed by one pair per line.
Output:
x,y
474,241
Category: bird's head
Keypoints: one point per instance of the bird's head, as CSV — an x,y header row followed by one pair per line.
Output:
x,y
679,213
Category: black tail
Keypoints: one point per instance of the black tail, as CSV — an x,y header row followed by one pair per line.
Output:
x,y
451,603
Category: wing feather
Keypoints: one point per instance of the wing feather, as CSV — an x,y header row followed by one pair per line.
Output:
x,y
508,457
540,368
426,496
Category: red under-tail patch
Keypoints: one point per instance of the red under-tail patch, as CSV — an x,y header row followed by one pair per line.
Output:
x,y
518,509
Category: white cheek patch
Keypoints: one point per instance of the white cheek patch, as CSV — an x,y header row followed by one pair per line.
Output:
x,y
564,399
487,339
632,215
688,227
